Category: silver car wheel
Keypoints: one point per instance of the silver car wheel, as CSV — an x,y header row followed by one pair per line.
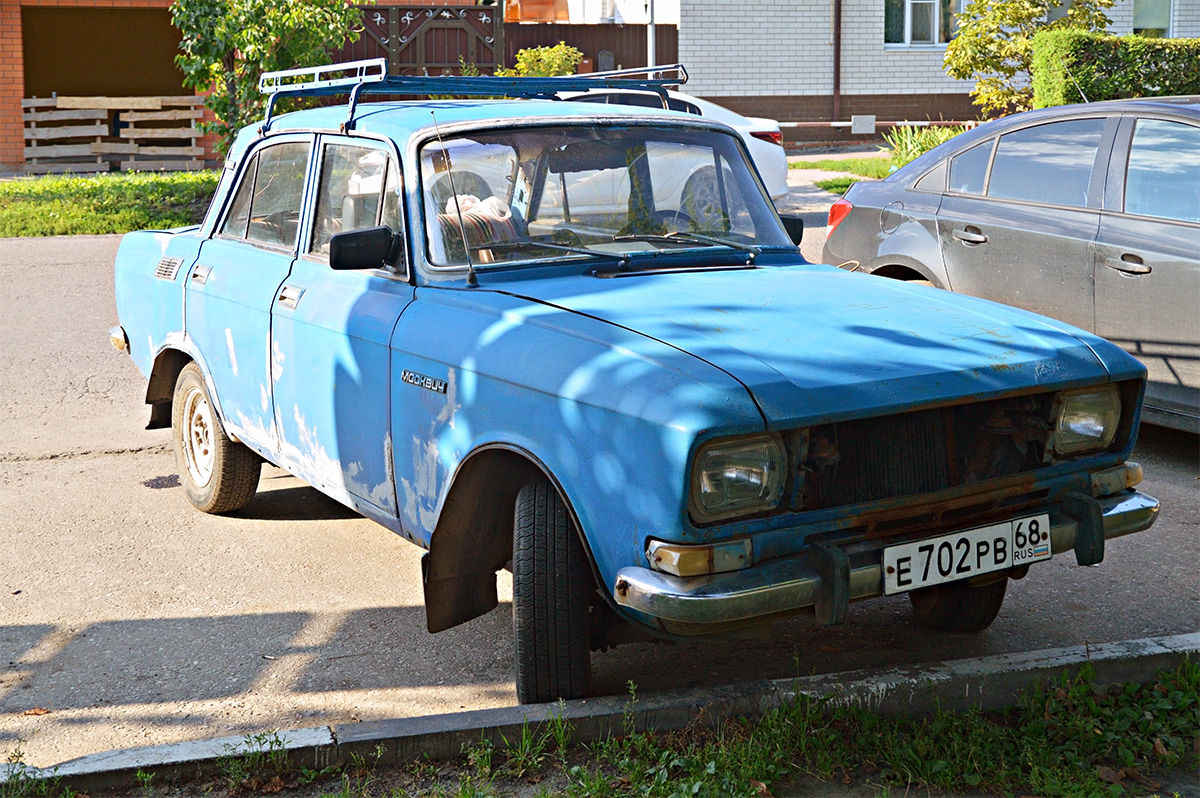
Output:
x,y
198,452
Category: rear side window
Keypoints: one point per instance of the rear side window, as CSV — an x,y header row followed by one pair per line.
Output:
x,y
968,170
1163,177
278,191
1049,164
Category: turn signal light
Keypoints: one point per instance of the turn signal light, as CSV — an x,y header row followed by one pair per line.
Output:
x,y
838,211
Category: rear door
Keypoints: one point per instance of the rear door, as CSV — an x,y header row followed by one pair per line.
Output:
x,y
1025,236
1148,260
233,284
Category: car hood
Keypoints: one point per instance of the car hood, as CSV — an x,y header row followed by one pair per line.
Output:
x,y
815,343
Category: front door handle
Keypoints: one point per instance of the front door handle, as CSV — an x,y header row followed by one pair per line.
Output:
x,y
970,236
1128,264
289,296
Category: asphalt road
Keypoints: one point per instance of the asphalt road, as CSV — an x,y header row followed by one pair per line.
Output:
x,y
127,618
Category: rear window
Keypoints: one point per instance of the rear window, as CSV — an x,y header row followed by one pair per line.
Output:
x,y
968,170
1163,177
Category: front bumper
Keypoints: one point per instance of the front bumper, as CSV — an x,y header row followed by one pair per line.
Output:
x,y
706,604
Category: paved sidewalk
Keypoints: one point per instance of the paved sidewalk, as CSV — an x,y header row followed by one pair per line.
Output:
x,y
812,203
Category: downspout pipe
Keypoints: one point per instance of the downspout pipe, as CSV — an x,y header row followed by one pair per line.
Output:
x,y
837,60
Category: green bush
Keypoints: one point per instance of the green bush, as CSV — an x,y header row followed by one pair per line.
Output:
x,y
544,62
909,142
1071,66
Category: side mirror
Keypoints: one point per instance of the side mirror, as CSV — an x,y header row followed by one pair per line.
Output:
x,y
794,226
372,248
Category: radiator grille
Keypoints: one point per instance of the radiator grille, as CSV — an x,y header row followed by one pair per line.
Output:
x,y
890,456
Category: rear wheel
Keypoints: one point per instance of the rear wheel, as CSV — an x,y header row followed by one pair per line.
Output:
x,y
551,588
218,475
958,606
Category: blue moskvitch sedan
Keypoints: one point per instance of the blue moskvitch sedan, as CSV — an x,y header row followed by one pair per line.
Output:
x,y
579,342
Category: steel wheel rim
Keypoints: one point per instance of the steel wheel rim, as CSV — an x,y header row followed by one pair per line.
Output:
x,y
198,437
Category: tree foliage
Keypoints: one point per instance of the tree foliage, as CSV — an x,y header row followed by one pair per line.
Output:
x,y
228,44
994,45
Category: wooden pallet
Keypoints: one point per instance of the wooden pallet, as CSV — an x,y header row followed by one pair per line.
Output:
x,y
92,134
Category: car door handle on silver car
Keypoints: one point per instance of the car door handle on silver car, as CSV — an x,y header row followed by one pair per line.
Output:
x,y
970,236
1128,263
289,296
200,274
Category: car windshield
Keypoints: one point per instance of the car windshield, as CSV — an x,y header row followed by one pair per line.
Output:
x,y
530,194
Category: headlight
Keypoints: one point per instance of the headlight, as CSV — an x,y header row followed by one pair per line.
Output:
x,y
741,476
1087,420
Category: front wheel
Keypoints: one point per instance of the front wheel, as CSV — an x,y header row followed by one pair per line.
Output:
x,y
551,587
218,475
959,606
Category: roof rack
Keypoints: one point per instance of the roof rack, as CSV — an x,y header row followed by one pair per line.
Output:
x,y
357,78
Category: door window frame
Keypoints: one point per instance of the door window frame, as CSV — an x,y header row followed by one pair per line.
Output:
x,y
306,193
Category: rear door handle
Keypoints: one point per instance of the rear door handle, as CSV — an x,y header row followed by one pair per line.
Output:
x,y
200,274
971,235
289,296
1128,263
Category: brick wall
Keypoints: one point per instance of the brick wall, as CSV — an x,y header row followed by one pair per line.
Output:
x,y
1186,19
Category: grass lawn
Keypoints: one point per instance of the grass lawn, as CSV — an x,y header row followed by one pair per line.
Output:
x,y
874,168
105,203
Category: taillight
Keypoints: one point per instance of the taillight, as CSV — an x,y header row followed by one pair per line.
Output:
x,y
773,136
838,211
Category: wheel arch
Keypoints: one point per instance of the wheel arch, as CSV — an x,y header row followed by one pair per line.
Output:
x,y
160,389
473,538
907,272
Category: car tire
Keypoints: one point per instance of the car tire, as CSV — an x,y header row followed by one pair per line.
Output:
x,y
551,587
958,606
218,475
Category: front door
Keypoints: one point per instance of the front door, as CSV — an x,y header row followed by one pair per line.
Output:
x,y
330,338
1148,263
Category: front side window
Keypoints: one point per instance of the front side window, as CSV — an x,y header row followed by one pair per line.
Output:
x,y
266,206
350,193
1163,176
497,195
920,22
1152,18
1048,164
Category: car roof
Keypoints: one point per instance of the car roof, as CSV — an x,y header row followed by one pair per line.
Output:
x,y
401,120
1188,106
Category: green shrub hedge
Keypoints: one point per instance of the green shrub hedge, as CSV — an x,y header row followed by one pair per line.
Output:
x,y
1071,66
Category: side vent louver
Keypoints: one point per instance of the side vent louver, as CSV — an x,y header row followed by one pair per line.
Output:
x,y
168,268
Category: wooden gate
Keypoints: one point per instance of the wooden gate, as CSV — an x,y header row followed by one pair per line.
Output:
x,y
425,40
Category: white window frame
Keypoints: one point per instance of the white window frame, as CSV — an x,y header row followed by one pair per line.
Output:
x,y
908,43
1169,31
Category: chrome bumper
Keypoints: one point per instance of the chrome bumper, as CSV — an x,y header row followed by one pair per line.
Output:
x,y
701,604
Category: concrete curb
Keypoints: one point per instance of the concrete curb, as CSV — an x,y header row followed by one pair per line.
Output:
x,y
987,682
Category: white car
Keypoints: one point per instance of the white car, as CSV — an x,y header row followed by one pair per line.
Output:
x,y
762,136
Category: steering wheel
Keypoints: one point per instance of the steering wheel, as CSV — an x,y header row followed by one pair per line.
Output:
x,y
675,221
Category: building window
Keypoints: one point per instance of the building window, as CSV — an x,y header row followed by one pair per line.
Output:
x,y
1152,17
920,22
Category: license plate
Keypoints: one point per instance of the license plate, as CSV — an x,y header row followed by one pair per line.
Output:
x,y
961,555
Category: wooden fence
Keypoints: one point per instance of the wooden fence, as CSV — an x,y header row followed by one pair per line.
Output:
x,y
94,134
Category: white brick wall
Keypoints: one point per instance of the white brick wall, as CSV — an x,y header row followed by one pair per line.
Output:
x,y
763,47
756,47
1186,19
760,47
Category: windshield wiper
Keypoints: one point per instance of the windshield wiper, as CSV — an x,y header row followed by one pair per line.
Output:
x,y
527,244
681,237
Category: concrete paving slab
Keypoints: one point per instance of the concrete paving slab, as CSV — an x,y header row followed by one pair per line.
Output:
x,y
986,682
